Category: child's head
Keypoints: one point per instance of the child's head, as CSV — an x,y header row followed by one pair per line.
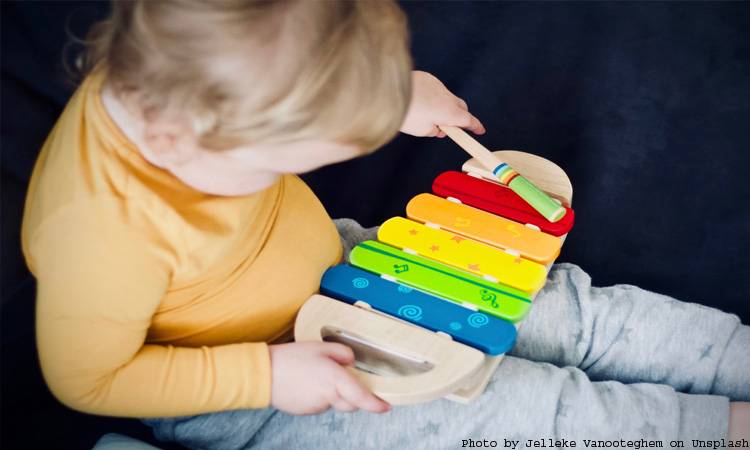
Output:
x,y
261,74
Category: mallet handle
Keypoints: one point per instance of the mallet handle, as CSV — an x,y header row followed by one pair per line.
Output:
x,y
471,146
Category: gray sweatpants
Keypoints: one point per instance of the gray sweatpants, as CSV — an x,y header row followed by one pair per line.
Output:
x,y
674,368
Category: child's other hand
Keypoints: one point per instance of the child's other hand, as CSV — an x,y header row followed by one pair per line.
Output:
x,y
432,104
308,378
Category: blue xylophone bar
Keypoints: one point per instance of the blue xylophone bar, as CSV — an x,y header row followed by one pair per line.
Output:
x,y
487,333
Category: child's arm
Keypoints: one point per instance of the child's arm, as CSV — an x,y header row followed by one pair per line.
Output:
x,y
633,335
98,286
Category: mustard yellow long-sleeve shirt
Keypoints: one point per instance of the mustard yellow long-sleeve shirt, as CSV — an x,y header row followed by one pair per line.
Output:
x,y
154,299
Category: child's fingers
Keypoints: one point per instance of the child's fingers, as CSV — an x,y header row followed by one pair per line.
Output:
x,y
476,126
338,352
357,395
464,119
342,405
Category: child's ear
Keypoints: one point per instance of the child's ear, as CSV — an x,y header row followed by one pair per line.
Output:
x,y
171,141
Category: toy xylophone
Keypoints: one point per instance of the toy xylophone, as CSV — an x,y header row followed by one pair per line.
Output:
x,y
431,307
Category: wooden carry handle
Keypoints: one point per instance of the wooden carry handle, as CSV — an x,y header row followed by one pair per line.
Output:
x,y
440,365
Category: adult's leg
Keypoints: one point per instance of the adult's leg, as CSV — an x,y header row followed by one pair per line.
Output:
x,y
524,400
632,335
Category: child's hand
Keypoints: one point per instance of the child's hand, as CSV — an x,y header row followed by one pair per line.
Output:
x,y
432,104
308,378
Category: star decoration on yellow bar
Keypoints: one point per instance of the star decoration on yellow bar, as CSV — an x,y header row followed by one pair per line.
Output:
x,y
435,248
458,239
412,231
474,266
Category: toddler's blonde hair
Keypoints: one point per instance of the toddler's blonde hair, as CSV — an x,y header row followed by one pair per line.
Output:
x,y
261,71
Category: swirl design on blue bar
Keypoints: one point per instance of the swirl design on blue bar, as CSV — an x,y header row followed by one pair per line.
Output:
x,y
411,312
477,320
360,283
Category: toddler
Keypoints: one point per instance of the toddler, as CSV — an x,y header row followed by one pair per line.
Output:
x,y
173,245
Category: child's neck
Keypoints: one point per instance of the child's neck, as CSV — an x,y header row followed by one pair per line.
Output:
x,y
131,127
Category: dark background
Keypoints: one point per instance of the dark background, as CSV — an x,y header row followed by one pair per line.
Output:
x,y
645,105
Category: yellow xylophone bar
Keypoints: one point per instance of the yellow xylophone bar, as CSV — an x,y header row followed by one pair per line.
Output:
x,y
467,254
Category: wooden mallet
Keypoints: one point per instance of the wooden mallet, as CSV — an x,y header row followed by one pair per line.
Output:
x,y
505,174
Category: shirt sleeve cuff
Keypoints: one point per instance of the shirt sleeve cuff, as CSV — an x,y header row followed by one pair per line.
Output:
x,y
245,372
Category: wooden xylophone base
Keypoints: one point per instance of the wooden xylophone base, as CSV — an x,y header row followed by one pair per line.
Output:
x,y
429,365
